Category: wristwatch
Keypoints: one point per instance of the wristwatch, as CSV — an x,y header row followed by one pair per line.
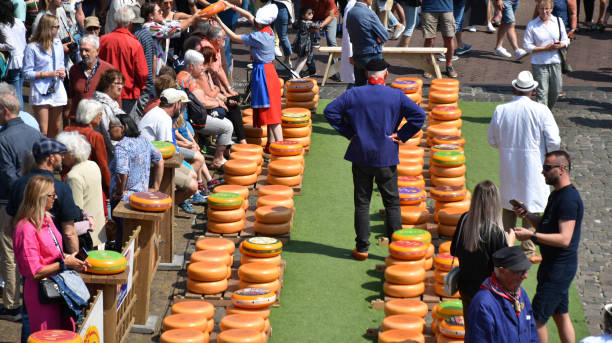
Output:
x,y
534,238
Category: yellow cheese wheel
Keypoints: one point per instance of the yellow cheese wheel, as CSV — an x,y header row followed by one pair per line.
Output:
x,y
274,200
185,321
291,132
263,312
273,286
222,244
278,190
242,321
225,216
272,229
273,214
207,271
406,306
312,104
258,272
439,275
411,181
406,322
225,201
166,149
445,247
200,307
240,167
247,155
428,263
409,170
414,215
300,85
433,104
400,336
294,158
443,97
450,216
446,113
252,148
416,97
184,336
213,287
257,132
261,141
447,309
431,250
403,291
261,246
286,148
241,190
408,250
448,193
284,168
446,230
447,171
447,181
392,261
445,261
274,260
241,336
284,180
60,336
404,274
300,96
305,141
150,201
219,227
253,298
293,111
242,180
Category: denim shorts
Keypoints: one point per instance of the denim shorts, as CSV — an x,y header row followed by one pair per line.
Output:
x,y
552,292
508,11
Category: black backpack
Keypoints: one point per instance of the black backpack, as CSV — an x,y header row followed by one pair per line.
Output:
x,y
196,112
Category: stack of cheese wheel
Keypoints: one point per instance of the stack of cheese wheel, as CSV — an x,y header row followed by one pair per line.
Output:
x,y
240,172
447,168
302,93
259,275
243,321
443,263
253,301
406,280
286,170
212,257
63,336
446,116
411,161
412,87
195,307
445,310
297,125
193,321
263,258
443,92
247,116
440,129
271,220
449,197
225,212
249,155
240,190
256,135
421,235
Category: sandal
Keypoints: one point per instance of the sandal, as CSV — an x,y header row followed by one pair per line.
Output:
x,y
427,75
218,166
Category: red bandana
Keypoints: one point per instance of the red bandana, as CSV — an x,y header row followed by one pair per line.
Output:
x,y
376,81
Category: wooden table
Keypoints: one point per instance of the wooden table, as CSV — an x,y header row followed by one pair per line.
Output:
x,y
167,223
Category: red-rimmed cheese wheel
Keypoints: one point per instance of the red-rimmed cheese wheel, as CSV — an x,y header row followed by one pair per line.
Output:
x,y
305,141
404,274
246,155
261,246
407,86
242,190
445,261
440,130
252,148
150,201
59,336
185,321
446,230
408,250
450,216
392,261
184,336
453,327
443,97
263,312
448,82
403,291
447,171
240,167
446,113
445,147
278,190
406,322
406,306
225,216
273,214
411,195
431,250
285,148
414,215
409,170
448,193
291,132
207,271
211,10
225,201
259,272
412,235
433,104
439,275
274,260
438,181
255,132
294,158
428,263
166,149
272,229
400,336
300,96
106,262
289,181
222,244
449,139
213,287
284,168
273,286
241,336
299,85
242,180
219,227
274,200
242,321
200,307
411,181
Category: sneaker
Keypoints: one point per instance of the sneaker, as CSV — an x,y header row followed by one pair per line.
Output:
x,y
462,50
277,51
199,199
360,255
450,71
213,183
397,32
427,75
335,77
442,58
519,53
13,315
186,207
472,29
502,52
490,28
243,20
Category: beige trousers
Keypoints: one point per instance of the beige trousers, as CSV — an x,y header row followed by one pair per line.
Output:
x,y
8,268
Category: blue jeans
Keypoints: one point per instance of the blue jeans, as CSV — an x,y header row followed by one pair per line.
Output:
x,y
359,70
14,77
228,55
330,32
281,24
392,19
508,11
458,9
411,19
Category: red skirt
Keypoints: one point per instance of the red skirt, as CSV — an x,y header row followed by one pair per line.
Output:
x,y
272,114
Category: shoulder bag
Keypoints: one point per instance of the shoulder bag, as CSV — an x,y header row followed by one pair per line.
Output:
x,y
451,280
565,67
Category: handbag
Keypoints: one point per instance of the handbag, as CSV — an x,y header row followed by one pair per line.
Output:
x,y
451,280
565,67
48,292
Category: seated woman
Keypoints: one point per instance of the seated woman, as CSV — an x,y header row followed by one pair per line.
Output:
x,y
108,93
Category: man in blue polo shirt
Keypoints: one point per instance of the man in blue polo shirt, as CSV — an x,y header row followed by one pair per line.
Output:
x,y
369,117
434,14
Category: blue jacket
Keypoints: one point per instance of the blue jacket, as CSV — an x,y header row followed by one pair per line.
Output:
x,y
367,116
74,293
491,318
364,27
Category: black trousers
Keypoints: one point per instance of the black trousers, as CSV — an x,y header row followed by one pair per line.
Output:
x,y
386,179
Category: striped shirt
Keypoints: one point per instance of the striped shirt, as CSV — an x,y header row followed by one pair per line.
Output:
x,y
148,45
162,33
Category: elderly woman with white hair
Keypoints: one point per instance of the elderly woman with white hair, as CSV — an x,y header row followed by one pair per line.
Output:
x,y
85,181
88,117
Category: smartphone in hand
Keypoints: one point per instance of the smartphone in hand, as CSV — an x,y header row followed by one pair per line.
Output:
x,y
82,255
515,203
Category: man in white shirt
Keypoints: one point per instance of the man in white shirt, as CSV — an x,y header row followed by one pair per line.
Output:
x,y
523,131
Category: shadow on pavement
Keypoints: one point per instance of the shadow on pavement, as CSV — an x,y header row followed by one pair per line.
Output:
x,y
592,123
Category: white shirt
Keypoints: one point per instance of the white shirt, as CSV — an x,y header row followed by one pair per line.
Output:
x,y
15,43
523,131
115,6
156,125
346,68
539,34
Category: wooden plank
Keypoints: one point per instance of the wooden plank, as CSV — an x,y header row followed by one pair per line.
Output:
x,y
124,210
108,279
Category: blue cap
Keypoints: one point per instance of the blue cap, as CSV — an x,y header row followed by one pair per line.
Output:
x,y
46,147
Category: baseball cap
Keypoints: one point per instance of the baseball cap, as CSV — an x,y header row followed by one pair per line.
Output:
x,y
172,95
46,147
92,21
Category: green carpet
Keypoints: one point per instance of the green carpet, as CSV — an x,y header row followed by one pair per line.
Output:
x,y
326,294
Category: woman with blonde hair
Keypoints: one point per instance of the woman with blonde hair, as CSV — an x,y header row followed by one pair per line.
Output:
x,y
44,65
37,244
478,235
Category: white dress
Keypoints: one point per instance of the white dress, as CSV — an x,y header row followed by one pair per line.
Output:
x,y
346,68
523,131
37,60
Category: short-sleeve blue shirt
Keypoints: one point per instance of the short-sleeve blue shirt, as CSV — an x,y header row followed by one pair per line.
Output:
x,y
261,45
437,6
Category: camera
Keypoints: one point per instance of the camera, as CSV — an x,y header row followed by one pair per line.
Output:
x,y
72,46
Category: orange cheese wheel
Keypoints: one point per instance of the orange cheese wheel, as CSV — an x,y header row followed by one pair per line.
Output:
x,y
400,336
246,155
407,86
431,105
242,321
274,200
219,227
416,97
412,142
296,119
166,149
286,148
391,261
457,123
305,141
291,132
440,130
60,336
277,190
448,193
241,336
428,263
240,167
256,132
300,96
242,190
261,141
185,321
222,244
406,306
414,215
404,274
296,111
273,214
150,201
407,250
272,229
253,298
448,82
411,161
406,322
289,181
447,171
411,195
211,10
443,97
242,180
300,85
252,148
445,247
445,261
412,152
263,312
439,290
411,181
446,230
409,170
418,226
431,250
443,88
449,139
439,275
274,260
247,120
311,104
106,262
199,307
273,286
225,201
261,246
463,204
438,181
403,291
450,216
184,336
284,168
213,287
207,271
258,272
446,113
418,81
225,216
444,339
295,158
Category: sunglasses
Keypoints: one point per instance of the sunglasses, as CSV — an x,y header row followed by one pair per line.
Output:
x,y
548,167
92,28
52,195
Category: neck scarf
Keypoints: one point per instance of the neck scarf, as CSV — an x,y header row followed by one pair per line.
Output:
x,y
495,287
376,81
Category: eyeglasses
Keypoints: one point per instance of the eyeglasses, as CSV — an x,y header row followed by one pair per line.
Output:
x,y
548,167
118,83
52,195
56,26
92,28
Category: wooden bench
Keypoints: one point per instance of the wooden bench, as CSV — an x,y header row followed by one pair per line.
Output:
x,y
422,58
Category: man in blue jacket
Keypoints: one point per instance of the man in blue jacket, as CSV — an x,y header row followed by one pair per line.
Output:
x,y
369,116
500,311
